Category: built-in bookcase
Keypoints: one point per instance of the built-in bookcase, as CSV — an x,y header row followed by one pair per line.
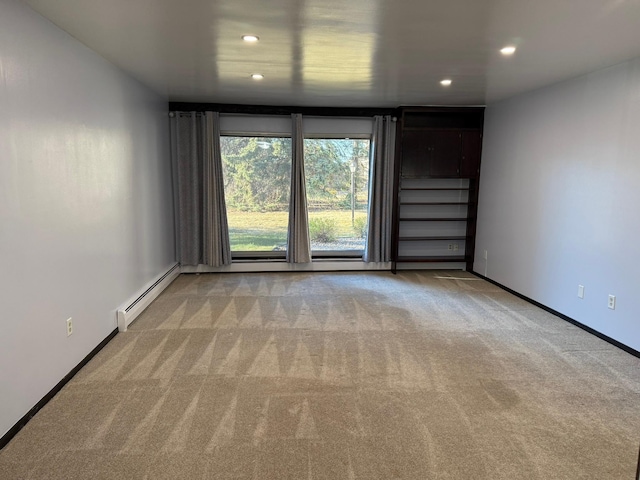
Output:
x,y
433,216
436,186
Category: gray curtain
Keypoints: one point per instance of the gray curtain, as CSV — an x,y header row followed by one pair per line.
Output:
x,y
202,229
378,248
298,242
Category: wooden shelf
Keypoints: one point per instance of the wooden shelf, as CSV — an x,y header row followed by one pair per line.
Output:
x,y
437,188
432,219
450,258
440,129
434,203
420,239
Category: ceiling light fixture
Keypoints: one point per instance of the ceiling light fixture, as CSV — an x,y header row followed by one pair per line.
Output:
x,y
250,38
257,76
446,82
510,50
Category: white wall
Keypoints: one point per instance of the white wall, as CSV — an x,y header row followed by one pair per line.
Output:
x,y
560,198
85,202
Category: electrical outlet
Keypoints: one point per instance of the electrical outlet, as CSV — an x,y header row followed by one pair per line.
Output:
x,y
69,327
455,247
450,247
580,291
612,302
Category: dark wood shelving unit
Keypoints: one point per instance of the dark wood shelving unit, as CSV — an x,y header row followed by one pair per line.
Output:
x,y
421,239
432,219
433,259
435,188
434,203
438,152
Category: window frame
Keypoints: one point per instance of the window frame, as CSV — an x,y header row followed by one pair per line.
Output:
x,y
341,254
247,255
317,124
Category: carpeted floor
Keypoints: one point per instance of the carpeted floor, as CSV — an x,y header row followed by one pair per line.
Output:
x,y
422,375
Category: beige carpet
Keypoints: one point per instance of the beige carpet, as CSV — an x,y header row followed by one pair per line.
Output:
x,y
341,376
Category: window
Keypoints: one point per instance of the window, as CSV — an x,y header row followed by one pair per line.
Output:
x,y
257,181
256,161
337,179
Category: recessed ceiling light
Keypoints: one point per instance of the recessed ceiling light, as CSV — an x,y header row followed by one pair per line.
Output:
x,y
250,38
510,50
257,76
446,82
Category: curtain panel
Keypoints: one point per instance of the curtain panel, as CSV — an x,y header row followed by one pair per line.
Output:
x,y
378,247
201,215
298,240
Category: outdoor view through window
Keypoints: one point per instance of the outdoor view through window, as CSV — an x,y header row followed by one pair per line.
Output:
x,y
257,180
337,177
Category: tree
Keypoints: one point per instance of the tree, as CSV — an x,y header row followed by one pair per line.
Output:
x,y
257,172
326,168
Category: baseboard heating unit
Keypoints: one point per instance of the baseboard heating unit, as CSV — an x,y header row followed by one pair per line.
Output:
x,y
136,305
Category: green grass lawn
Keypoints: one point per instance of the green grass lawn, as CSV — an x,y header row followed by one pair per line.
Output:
x,y
256,231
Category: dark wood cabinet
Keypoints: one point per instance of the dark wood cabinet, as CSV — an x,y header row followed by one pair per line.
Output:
x,y
437,171
445,153
416,152
430,153
471,147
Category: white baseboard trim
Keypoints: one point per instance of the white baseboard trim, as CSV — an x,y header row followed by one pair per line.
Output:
x,y
318,266
130,310
315,266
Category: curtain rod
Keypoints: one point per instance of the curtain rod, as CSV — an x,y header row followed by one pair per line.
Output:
x,y
281,110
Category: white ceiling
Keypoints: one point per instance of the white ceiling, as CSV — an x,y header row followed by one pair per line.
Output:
x,y
366,53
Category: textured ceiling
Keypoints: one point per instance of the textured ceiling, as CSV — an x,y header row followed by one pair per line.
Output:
x,y
367,53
